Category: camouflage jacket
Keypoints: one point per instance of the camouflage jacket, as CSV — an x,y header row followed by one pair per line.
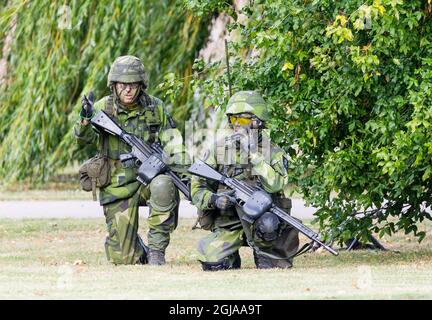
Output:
x,y
267,168
140,121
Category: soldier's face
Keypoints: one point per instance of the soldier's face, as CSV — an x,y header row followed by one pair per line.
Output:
x,y
127,92
241,123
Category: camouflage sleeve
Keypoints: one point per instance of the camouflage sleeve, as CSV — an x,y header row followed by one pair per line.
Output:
x,y
200,189
273,171
85,134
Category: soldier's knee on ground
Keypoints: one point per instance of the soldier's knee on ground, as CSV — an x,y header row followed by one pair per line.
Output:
x,y
163,193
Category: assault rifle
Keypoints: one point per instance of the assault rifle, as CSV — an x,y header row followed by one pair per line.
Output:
x,y
150,159
254,201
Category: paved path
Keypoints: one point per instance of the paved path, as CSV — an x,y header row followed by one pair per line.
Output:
x,y
91,209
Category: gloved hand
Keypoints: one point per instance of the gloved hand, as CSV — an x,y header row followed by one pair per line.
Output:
x,y
87,106
247,141
223,200
249,147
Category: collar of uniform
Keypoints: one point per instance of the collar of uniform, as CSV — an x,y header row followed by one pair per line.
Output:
x,y
135,109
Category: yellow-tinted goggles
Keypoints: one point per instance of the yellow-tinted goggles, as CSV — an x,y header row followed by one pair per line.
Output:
x,y
240,120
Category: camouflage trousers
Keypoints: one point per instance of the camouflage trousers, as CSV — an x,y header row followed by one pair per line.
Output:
x,y
229,234
123,245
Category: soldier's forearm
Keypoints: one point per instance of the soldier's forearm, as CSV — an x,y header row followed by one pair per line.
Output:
x,y
84,134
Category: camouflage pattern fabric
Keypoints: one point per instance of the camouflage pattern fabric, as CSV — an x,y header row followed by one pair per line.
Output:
x,y
127,69
122,197
219,244
223,240
123,244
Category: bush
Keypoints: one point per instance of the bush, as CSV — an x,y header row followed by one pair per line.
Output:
x,y
349,85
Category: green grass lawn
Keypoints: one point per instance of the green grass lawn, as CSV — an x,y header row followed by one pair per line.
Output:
x,y
65,259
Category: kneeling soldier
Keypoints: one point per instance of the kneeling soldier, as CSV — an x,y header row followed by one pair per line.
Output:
x,y
142,115
273,241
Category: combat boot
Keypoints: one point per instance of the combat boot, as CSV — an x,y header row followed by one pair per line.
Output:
x,y
156,257
233,261
263,262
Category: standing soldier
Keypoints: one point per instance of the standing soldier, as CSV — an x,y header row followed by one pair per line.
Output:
x,y
144,116
273,241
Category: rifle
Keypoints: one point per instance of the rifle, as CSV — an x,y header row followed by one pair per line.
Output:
x,y
150,159
254,201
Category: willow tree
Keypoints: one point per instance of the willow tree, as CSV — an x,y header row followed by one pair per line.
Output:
x,y
61,50
350,88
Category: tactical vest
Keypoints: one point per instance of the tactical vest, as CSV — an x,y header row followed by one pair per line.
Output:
x,y
147,120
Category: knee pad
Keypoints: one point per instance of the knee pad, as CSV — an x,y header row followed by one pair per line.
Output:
x,y
266,227
163,193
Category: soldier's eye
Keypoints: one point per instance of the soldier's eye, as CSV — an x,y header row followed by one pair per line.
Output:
x,y
123,86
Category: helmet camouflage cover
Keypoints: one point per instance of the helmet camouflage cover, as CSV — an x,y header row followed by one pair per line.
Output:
x,y
248,102
127,69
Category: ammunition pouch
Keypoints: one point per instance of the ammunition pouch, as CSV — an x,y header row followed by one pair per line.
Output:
x,y
95,173
205,219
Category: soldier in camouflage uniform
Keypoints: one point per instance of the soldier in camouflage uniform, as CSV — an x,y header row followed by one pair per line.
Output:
x,y
143,115
256,162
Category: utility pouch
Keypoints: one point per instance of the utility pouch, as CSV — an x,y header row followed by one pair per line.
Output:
x,y
95,173
205,219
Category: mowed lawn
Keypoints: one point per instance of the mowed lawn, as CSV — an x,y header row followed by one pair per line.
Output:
x,y
65,259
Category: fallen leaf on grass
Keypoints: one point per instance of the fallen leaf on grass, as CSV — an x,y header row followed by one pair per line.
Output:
x,y
79,263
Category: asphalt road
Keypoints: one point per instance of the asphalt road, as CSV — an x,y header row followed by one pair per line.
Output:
x,y
91,209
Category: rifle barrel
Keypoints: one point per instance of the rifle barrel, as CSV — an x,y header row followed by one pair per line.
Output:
x,y
312,235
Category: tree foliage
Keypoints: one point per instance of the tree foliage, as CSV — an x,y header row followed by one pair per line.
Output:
x,y
350,87
61,50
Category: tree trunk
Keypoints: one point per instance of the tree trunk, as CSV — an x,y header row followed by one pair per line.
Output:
x,y
7,47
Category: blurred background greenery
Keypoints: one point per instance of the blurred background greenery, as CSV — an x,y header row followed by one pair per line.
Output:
x,y
59,50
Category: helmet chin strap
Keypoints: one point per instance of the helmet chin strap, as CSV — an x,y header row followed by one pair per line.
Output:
x,y
257,124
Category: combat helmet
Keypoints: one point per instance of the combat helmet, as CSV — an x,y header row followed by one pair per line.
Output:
x,y
127,69
248,102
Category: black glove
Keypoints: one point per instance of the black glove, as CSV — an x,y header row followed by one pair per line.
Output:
x,y
247,142
223,200
87,106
